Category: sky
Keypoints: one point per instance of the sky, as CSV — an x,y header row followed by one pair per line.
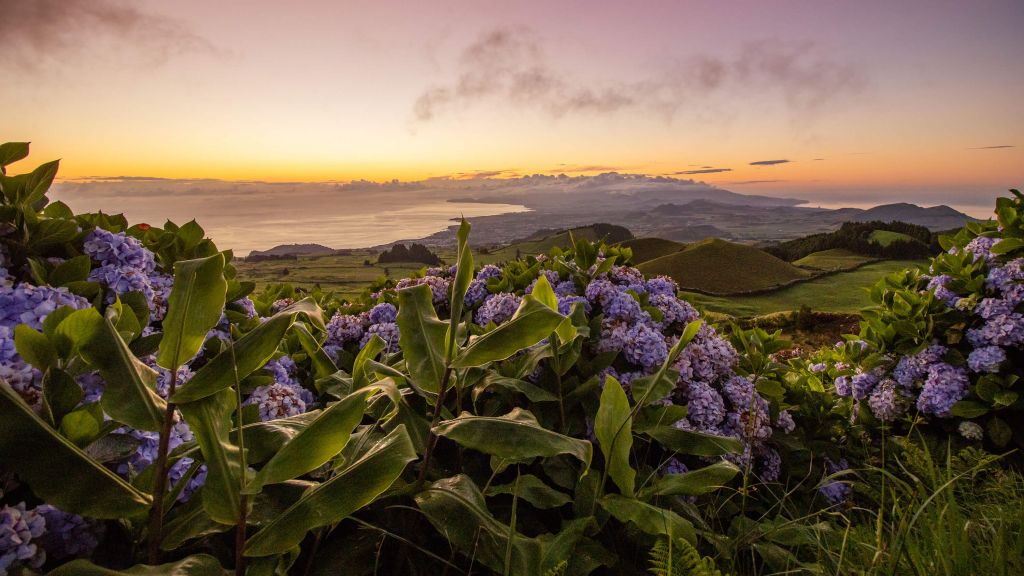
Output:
x,y
840,102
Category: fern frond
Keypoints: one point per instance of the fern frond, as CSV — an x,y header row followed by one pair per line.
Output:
x,y
558,569
679,558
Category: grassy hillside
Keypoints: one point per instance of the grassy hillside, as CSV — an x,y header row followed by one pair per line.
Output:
x,y
723,267
542,245
645,249
835,259
886,237
840,292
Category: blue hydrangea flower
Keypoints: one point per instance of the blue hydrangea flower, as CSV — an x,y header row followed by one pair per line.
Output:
x,y
29,305
120,250
674,466
819,367
986,359
621,306
945,386
281,304
843,386
388,332
661,286
629,278
1000,330
565,288
836,491
911,369
862,384
769,464
550,275
784,421
20,530
438,287
981,247
475,293
497,308
645,346
68,535
488,271
705,406
938,286
991,307
673,310
383,313
708,357
613,336
565,304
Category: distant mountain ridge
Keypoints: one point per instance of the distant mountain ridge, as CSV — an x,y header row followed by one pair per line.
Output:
x,y
293,250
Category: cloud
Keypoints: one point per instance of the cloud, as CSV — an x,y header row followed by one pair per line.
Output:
x,y
993,147
707,170
574,168
34,31
510,66
768,162
756,181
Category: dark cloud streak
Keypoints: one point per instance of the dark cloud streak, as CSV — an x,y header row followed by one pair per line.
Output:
x,y
704,171
769,162
63,31
999,147
509,65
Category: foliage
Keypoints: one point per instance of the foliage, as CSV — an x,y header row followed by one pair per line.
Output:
x,y
890,240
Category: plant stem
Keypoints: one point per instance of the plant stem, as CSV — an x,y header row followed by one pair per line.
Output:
x,y
243,500
156,513
431,437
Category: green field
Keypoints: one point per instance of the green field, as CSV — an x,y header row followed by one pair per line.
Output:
x,y
723,267
885,237
645,249
835,259
840,292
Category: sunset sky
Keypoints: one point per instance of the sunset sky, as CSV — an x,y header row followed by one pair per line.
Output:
x,y
860,99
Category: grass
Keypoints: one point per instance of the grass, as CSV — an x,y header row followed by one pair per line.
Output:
x,y
885,237
835,259
723,267
841,292
645,249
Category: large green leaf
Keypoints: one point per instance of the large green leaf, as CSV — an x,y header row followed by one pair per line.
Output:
x,y
250,353
360,377
210,421
651,519
38,182
532,322
691,442
313,447
516,435
58,471
352,488
613,426
422,337
11,152
463,276
695,483
457,510
534,491
193,309
130,394
197,565
323,366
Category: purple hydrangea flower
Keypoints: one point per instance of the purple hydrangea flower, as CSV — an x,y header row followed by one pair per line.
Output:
x,y
387,331
68,535
981,247
986,359
550,275
1000,330
938,285
345,328
862,384
497,308
29,305
885,401
945,386
475,293
971,431
769,464
705,406
673,310
565,288
383,313
629,278
784,421
661,286
120,250
843,386
645,346
819,367
911,369
991,307
20,530
674,466
488,271
613,336
836,491
276,401
565,304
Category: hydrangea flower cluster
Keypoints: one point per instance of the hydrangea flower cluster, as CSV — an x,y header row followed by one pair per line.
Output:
x,y
29,305
20,530
286,396
438,287
125,265
497,308
836,492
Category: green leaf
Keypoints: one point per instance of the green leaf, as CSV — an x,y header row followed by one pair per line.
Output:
x,y
251,352
691,442
210,421
323,366
58,471
544,294
516,435
531,323
193,309
374,345
60,393
534,491
969,409
463,276
74,270
421,337
695,483
11,152
38,182
613,426
532,392
1007,245
197,565
58,210
651,519
351,489
456,508
130,396
323,439
50,232
34,347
